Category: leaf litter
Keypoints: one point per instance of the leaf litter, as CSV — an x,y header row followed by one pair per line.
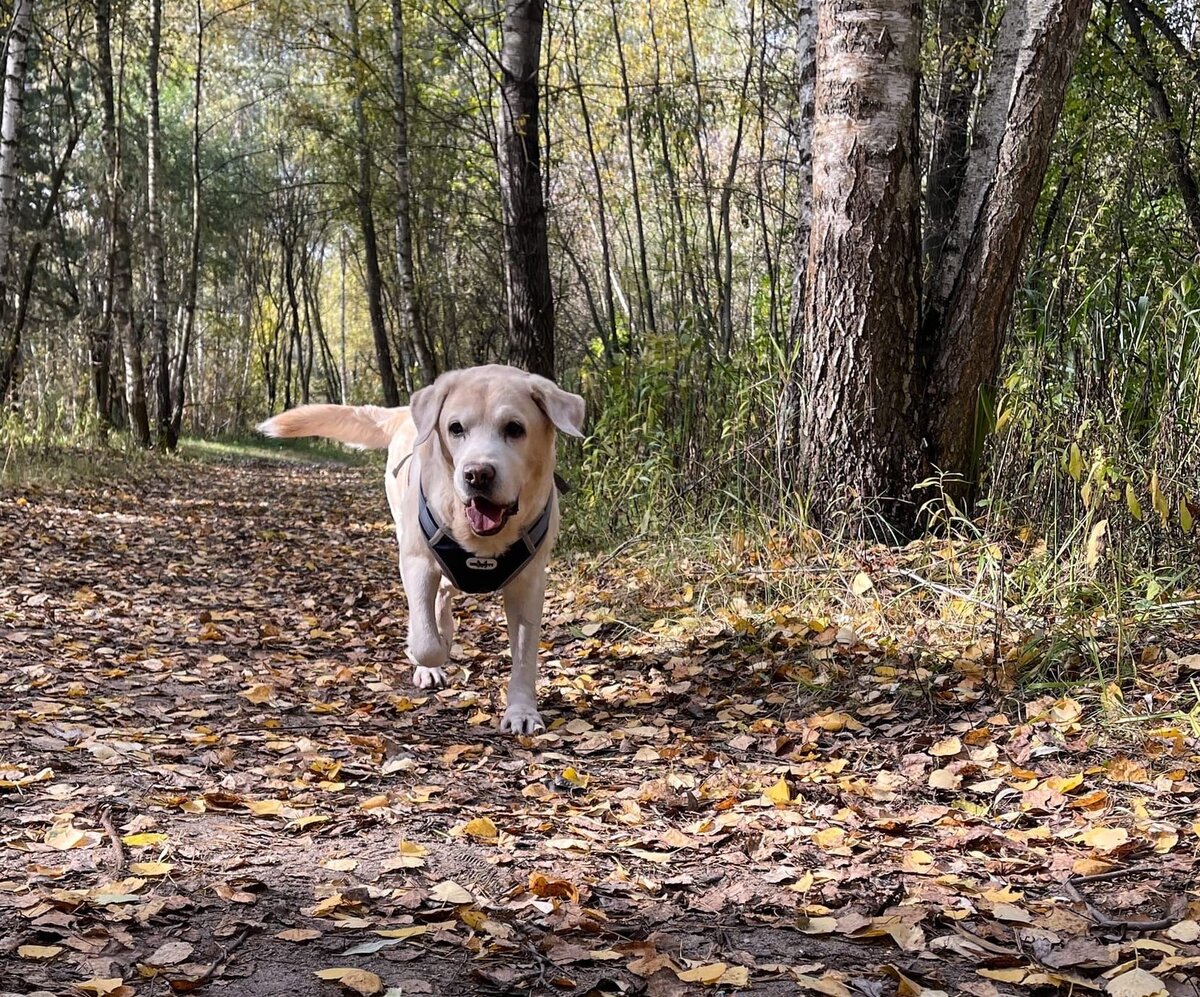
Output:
x,y
213,769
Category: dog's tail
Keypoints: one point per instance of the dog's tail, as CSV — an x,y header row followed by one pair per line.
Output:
x,y
368,426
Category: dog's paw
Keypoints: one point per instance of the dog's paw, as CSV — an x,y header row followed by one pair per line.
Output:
x,y
520,719
429,678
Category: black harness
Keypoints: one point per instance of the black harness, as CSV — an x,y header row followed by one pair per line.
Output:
x,y
475,573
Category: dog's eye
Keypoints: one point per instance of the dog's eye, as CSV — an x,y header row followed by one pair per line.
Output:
x,y
514,430
456,428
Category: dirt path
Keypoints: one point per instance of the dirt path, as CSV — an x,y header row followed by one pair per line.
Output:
x,y
207,665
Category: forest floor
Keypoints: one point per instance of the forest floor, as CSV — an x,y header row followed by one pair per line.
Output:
x,y
215,775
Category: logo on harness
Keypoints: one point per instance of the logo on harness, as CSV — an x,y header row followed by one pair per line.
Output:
x,y
482,563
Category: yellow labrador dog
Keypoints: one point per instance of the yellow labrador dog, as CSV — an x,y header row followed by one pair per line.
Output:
x,y
470,481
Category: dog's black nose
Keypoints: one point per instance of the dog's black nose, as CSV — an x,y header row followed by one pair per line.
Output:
x,y
479,475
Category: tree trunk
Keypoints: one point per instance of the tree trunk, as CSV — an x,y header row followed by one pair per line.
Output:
x,y
366,219
10,124
192,281
607,329
526,254
410,325
1160,105
971,293
858,405
120,253
957,34
788,416
158,274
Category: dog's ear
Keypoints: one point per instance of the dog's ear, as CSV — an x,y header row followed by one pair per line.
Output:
x,y
426,407
562,408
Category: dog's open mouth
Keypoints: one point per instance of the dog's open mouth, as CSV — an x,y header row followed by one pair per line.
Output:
x,y
486,517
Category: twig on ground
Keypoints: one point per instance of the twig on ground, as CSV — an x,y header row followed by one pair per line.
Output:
x,y
118,850
1105,920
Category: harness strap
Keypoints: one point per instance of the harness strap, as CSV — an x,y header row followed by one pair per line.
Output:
x,y
476,573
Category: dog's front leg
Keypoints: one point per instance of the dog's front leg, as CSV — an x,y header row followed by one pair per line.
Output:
x,y
523,609
427,649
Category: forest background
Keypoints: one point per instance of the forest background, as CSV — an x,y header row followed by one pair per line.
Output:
x,y
214,210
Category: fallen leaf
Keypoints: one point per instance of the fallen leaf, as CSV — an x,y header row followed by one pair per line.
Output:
x,y
449,892
359,980
38,951
1136,983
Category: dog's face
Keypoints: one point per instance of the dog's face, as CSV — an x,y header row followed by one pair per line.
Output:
x,y
495,427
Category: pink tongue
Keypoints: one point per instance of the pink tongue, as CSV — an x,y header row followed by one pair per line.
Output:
x,y
484,515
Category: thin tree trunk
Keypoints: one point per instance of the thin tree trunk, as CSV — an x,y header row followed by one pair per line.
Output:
x,y
700,137
10,360
10,124
607,329
645,288
971,293
120,254
788,415
859,407
701,306
957,35
527,256
366,219
411,326
158,274
1160,105
192,282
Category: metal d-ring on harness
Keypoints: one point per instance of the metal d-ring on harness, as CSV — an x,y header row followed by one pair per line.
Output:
x,y
474,573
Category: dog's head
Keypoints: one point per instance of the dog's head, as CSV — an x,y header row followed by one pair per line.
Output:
x,y
495,427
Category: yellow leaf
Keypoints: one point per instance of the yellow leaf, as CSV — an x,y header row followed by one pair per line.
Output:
x,y
359,980
64,837
826,984
829,837
917,861
265,808
482,828
1158,499
574,778
1015,975
1002,420
1132,503
374,802
151,868
1064,783
1075,462
862,584
950,746
258,694
38,951
409,932
449,892
779,794
147,838
735,976
1104,839
1096,544
99,985
1186,521
709,975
